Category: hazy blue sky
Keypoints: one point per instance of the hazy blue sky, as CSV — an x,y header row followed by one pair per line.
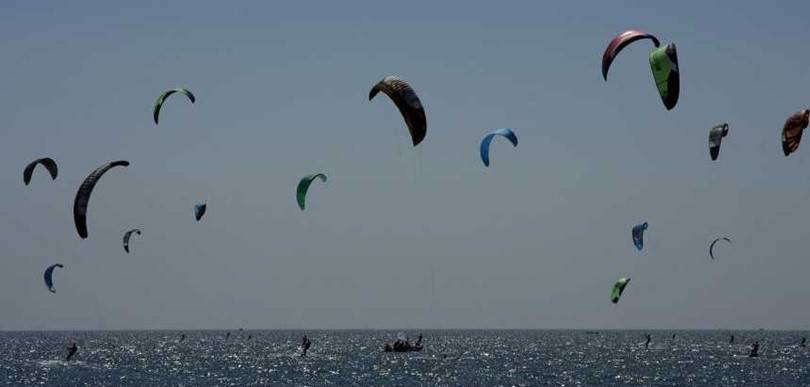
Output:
x,y
534,241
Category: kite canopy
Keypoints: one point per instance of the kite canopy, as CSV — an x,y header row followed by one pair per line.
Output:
x,y
46,162
505,132
793,129
166,94
303,187
716,134
621,41
618,289
663,62
638,235
711,246
664,65
199,211
49,276
127,235
407,102
83,195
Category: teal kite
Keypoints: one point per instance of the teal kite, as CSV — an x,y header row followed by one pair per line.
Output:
x,y
303,187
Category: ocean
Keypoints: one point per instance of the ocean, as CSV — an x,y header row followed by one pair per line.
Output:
x,y
450,358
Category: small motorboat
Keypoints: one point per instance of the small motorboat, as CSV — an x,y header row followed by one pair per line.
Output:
x,y
403,345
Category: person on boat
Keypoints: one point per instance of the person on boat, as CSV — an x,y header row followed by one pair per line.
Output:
x,y
72,349
388,347
754,350
647,343
305,343
419,341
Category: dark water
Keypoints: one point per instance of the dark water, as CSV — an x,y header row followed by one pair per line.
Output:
x,y
452,358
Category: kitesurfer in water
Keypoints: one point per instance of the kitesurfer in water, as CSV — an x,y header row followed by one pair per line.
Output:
x,y
754,349
647,343
305,343
72,349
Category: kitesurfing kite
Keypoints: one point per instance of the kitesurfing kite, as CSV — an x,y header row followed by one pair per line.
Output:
x,y
716,134
127,235
407,102
199,211
303,187
49,276
638,235
793,129
711,246
83,195
166,94
505,132
46,162
663,63
618,289
621,41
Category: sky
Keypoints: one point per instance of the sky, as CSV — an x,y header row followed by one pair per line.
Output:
x,y
400,236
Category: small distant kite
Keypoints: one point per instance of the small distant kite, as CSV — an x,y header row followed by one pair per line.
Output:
x,y
166,94
505,132
49,276
127,235
407,102
303,188
716,134
638,235
46,162
793,130
199,211
711,246
618,289
83,195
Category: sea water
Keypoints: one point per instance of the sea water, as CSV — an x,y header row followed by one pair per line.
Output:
x,y
450,358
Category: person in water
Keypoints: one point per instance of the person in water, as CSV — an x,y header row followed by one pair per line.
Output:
x,y
647,343
754,350
305,343
804,342
731,340
182,337
72,349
